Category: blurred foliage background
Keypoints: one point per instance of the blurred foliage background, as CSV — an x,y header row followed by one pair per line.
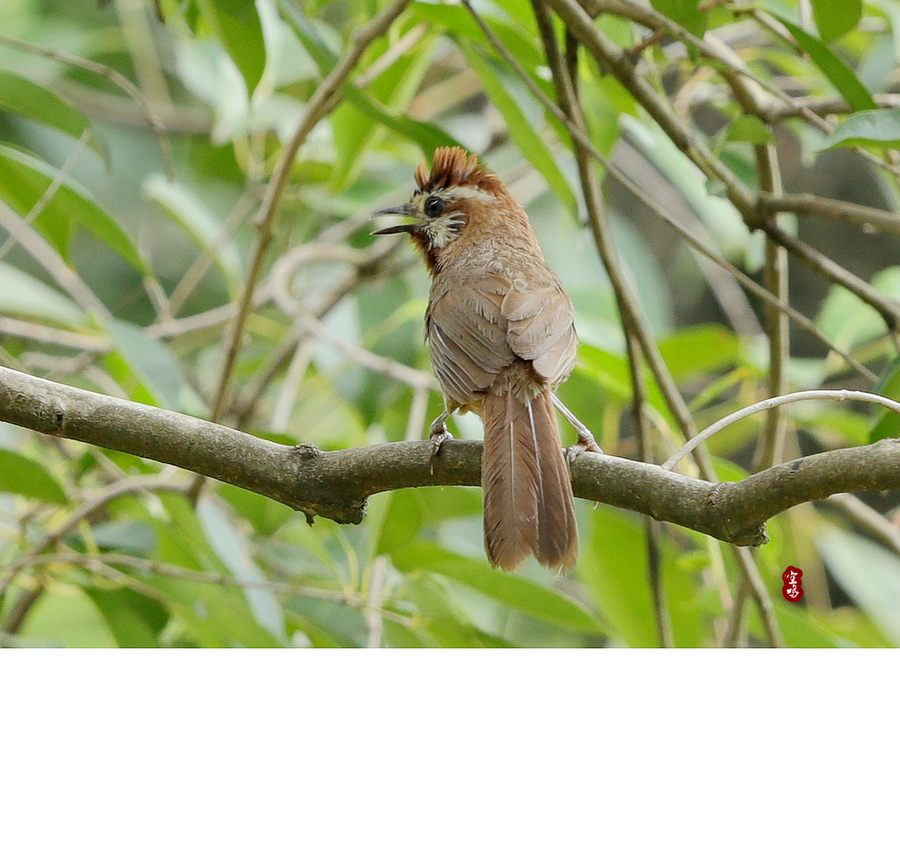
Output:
x,y
138,143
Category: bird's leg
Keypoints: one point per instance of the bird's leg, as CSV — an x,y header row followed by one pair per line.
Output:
x,y
586,441
438,434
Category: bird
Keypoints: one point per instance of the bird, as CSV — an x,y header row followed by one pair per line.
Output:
x,y
501,333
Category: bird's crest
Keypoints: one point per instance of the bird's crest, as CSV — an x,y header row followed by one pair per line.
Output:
x,y
453,167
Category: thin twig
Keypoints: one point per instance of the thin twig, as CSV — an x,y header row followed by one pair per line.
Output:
x,y
776,280
373,613
753,581
768,404
57,337
872,521
833,209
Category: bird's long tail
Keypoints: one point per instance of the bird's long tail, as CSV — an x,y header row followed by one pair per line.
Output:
x,y
528,502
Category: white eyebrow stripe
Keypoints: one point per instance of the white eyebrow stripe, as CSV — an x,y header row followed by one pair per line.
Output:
x,y
466,193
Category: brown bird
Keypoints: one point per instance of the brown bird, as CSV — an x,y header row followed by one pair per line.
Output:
x,y
502,338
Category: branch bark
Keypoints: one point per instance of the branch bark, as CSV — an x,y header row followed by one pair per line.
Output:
x,y
337,484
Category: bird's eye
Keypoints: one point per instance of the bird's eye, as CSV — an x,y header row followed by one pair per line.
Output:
x,y
433,206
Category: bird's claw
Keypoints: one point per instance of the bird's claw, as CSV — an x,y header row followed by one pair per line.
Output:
x,y
586,443
438,435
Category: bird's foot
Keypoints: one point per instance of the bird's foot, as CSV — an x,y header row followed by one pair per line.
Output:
x,y
438,435
586,443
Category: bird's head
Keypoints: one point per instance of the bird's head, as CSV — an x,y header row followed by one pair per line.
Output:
x,y
456,200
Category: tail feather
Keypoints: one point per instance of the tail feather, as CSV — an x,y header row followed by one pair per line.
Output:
x,y
528,504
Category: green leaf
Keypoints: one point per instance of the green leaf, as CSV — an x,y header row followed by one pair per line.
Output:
x,y
880,127
850,625
456,22
607,371
403,521
35,102
797,628
614,568
152,362
27,477
834,18
134,619
687,13
868,573
264,514
523,595
427,136
22,295
241,33
749,128
509,96
699,350
357,131
847,321
64,615
24,180
887,423
132,537
443,624
226,541
329,623
836,70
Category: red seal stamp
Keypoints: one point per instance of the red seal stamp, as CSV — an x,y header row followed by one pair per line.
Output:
x,y
792,587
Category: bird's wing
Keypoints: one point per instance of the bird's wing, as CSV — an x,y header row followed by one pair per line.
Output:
x,y
541,325
467,334
487,320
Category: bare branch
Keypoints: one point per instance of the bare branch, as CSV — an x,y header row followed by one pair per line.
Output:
x,y
336,484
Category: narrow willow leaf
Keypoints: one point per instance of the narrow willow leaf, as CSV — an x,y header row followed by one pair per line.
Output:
x,y
454,21
217,615
694,350
614,566
25,179
22,295
836,70
27,477
28,99
749,128
880,127
426,135
233,550
886,423
151,361
134,619
868,573
242,36
515,591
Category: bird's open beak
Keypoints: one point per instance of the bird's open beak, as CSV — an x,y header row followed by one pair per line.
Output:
x,y
407,211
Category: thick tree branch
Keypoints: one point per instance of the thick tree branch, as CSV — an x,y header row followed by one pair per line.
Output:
x,y
337,484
